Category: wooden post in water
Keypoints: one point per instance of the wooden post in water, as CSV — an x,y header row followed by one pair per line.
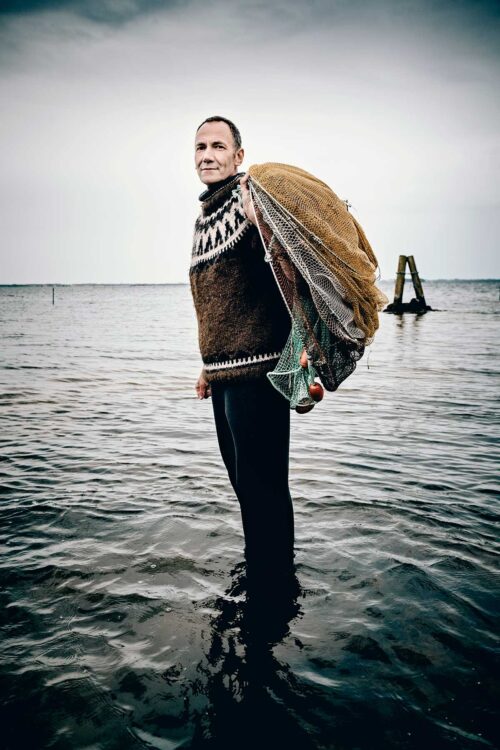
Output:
x,y
52,295
400,281
417,284
418,303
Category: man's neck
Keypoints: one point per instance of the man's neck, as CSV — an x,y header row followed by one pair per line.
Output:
x,y
214,186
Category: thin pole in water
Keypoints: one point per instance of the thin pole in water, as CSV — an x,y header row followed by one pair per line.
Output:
x,y
52,295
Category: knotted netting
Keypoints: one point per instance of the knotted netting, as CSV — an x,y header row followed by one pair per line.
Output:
x,y
326,271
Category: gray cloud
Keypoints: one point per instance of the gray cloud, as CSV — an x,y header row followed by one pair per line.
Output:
x,y
393,104
99,11
474,24
480,18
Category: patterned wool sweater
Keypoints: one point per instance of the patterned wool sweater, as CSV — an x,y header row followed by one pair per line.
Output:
x,y
243,322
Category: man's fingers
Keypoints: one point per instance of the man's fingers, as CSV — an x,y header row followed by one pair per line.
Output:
x,y
244,187
247,200
202,390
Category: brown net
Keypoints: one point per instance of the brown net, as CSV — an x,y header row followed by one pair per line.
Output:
x,y
325,269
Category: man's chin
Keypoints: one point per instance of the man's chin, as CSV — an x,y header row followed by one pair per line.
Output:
x,y
209,177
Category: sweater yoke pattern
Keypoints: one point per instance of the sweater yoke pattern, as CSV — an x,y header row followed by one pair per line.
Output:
x,y
243,322
218,232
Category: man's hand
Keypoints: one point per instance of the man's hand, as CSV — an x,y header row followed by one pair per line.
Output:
x,y
247,200
202,386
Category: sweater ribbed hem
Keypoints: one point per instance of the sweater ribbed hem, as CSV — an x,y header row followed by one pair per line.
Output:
x,y
257,369
241,362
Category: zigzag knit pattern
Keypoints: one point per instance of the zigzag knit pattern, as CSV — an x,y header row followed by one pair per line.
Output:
x,y
243,322
241,362
218,232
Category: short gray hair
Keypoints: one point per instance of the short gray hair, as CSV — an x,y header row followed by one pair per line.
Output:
x,y
232,127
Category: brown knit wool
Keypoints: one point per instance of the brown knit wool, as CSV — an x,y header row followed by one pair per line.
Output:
x,y
332,232
242,318
240,311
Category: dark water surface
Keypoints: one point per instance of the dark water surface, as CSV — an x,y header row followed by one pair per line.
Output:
x,y
125,619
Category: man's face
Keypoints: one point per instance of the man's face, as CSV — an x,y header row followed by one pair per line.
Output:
x,y
215,155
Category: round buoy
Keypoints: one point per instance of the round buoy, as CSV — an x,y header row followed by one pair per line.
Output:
x,y
316,391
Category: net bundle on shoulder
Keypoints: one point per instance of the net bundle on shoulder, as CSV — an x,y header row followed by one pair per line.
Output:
x,y
326,271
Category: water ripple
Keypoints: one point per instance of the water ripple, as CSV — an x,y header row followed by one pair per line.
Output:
x,y
127,618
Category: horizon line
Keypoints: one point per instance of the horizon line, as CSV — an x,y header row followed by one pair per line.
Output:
x,y
186,283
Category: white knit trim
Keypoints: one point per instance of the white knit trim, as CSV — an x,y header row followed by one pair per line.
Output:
x,y
222,248
255,359
204,231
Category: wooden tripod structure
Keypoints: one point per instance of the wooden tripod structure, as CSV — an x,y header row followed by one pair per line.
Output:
x,y
418,303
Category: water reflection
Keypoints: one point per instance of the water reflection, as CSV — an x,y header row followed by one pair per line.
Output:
x,y
244,683
410,320
122,624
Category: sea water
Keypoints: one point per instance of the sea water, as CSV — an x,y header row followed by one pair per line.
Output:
x,y
124,616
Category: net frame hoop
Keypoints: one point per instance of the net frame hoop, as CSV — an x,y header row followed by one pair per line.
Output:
x,y
269,258
308,231
311,370
324,271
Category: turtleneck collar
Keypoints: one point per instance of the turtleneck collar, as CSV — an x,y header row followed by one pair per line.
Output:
x,y
217,193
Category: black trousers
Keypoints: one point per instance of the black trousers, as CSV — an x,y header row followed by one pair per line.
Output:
x,y
252,420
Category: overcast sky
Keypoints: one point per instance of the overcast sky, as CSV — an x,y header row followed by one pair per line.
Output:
x,y
394,104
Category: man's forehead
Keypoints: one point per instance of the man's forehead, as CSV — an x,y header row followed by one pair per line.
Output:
x,y
219,131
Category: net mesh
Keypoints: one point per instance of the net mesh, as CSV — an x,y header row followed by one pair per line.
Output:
x,y
289,377
326,272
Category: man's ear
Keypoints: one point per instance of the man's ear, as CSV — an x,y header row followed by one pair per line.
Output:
x,y
240,155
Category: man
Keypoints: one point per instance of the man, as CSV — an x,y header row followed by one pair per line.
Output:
x,y
243,325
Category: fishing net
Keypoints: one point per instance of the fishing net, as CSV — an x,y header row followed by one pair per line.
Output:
x,y
289,377
326,272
